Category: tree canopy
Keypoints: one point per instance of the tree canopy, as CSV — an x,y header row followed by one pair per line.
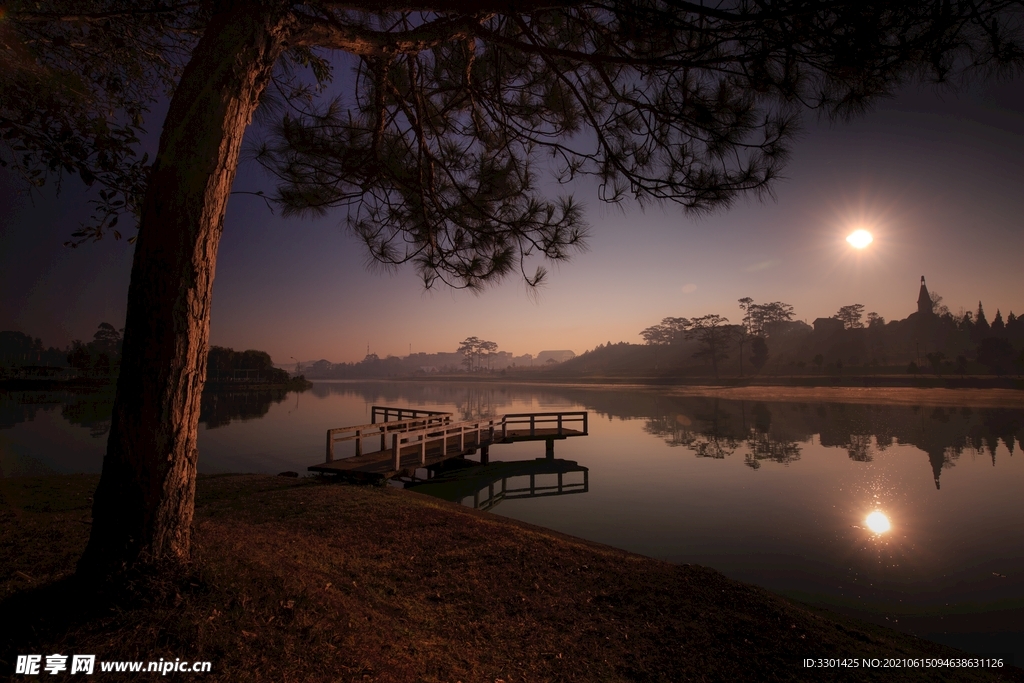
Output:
x,y
438,144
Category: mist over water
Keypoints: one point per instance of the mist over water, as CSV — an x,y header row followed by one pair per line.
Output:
x,y
777,494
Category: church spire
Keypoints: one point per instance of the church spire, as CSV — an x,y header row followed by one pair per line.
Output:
x,y
924,300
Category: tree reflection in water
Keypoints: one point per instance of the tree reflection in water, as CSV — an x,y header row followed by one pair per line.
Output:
x,y
219,408
92,410
773,432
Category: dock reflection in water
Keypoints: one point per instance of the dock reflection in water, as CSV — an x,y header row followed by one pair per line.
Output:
x,y
484,486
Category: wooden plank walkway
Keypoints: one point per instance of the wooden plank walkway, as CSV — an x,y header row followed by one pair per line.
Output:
x,y
430,437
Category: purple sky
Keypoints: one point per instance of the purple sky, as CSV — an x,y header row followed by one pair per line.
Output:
x,y
937,179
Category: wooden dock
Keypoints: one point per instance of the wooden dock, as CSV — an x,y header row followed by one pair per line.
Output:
x,y
420,438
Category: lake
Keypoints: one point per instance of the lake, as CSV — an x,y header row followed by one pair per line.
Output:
x,y
776,494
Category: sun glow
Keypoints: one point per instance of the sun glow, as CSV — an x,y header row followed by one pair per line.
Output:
x,y
859,239
878,522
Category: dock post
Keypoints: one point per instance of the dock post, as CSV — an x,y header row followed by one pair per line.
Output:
x,y
383,437
533,425
485,456
549,449
330,446
559,424
423,449
396,459
585,432
462,439
359,442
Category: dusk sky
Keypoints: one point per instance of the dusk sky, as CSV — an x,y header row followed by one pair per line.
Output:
x,y
936,178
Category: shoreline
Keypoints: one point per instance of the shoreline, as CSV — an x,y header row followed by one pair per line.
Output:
x,y
908,395
305,580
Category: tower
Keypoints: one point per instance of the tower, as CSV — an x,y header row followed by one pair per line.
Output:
x,y
924,300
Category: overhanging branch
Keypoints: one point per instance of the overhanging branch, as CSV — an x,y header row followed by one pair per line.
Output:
x,y
321,32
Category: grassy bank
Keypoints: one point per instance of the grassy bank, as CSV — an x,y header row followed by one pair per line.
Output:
x,y
296,580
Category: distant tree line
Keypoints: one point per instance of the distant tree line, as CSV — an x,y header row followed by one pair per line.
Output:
x,y
18,349
767,338
227,366
473,355
715,336
101,358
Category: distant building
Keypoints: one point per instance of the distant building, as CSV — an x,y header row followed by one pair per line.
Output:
x,y
924,300
828,325
557,356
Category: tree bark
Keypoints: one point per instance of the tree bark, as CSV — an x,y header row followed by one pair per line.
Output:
x,y
144,504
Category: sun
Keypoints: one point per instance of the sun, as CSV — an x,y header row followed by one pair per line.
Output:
x,y
859,239
878,522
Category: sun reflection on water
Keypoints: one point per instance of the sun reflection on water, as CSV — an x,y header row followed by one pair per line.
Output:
x,y
877,522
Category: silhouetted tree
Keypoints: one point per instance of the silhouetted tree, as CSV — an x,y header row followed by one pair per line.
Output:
x,y
469,348
1012,323
100,357
818,361
935,360
743,333
487,350
227,365
763,317
961,365
712,335
759,353
981,326
107,340
938,308
875,320
998,326
996,354
18,349
670,331
433,149
79,356
966,322
851,315
473,349
742,337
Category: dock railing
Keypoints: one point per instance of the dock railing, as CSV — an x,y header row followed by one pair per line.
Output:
x,y
427,437
381,430
386,413
560,421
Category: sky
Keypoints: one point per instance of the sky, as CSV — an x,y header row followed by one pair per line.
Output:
x,y
935,176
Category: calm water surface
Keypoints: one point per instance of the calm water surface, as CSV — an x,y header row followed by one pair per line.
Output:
x,y
775,494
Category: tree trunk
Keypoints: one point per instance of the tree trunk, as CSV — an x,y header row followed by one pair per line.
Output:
x,y
144,504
